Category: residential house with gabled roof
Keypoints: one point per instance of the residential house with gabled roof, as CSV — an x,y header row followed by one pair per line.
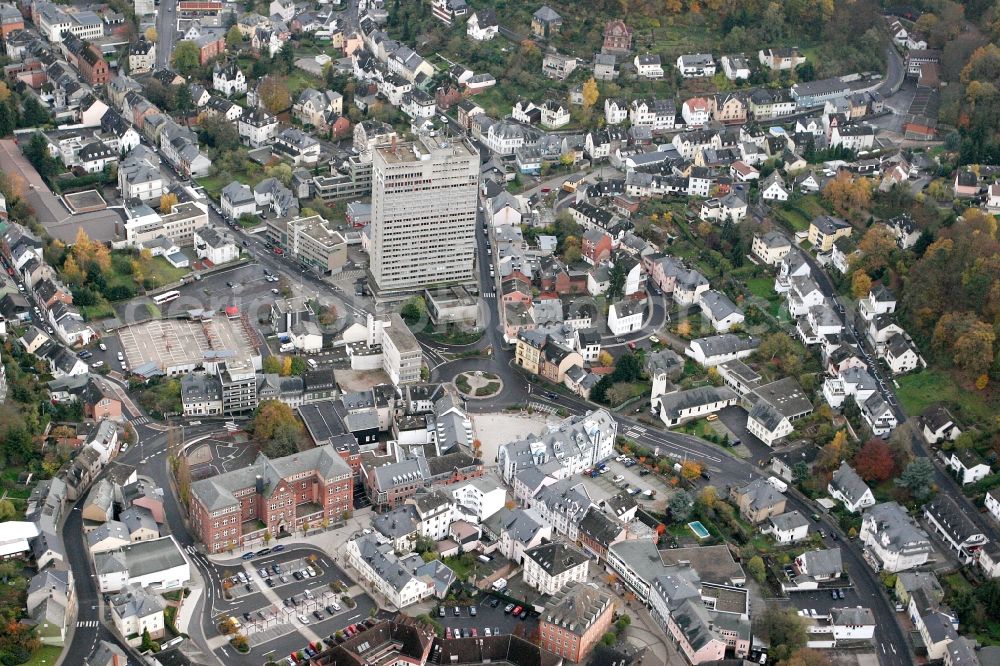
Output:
x,y
545,22
790,527
598,531
758,500
958,530
720,310
968,466
550,566
938,424
847,487
51,605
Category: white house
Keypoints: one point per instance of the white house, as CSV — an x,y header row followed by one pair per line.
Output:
x,y
850,489
950,521
789,527
136,610
236,200
735,67
228,79
479,496
378,564
879,416
993,503
938,424
696,111
720,310
968,466
773,188
548,567
615,111
648,66
626,316
892,540
482,25
767,424
157,563
696,65
215,245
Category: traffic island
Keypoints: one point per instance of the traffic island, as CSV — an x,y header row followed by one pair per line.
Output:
x,y
478,384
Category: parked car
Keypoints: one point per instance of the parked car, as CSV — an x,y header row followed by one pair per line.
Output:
x,y
303,619
508,608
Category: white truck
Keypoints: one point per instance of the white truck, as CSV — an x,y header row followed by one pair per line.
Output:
x,y
500,585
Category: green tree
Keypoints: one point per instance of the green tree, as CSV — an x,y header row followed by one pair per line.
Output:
x,y
187,57
680,505
234,37
299,366
756,568
272,365
413,310
918,478
7,510
616,281
783,630
182,98
623,623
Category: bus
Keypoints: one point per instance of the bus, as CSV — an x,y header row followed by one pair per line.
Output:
x,y
166,297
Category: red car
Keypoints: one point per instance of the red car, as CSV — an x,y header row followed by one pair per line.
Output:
x,y
474,632
278,251
517,609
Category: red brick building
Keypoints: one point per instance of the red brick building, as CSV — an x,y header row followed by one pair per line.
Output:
x,y
94,67
210,46
389,483
276,496
10,20
617,37
596,246
574,620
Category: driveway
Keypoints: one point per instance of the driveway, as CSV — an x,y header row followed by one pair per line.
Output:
x,y
735,420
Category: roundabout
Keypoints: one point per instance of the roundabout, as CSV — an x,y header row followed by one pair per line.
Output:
x,y
478,384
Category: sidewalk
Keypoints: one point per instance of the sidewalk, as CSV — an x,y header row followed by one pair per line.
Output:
x,y
186,612
330,541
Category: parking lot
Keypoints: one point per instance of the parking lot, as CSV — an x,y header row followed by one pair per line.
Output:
x,y
269,616
602,487
486,616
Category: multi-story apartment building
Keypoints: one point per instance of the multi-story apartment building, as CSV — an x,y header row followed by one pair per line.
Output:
x,y
275,496
315,245
574,620
548,567
238,378
423,214
579,442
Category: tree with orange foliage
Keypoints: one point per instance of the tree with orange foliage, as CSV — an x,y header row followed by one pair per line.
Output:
x,y
691,469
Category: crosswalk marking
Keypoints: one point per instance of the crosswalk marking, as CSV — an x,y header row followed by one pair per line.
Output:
x,y
140,420
87,623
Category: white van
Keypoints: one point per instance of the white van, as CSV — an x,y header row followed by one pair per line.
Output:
x,y
777,484
311,362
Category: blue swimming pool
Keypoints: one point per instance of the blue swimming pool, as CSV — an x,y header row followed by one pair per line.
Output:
x,y
699,530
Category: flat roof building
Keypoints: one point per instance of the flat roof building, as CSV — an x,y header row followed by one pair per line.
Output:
x,y
423,214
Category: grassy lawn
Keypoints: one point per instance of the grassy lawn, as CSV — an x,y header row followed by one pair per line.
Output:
x,y
99,311
762,287
213,184
47,654
793,218
920,390
158,269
